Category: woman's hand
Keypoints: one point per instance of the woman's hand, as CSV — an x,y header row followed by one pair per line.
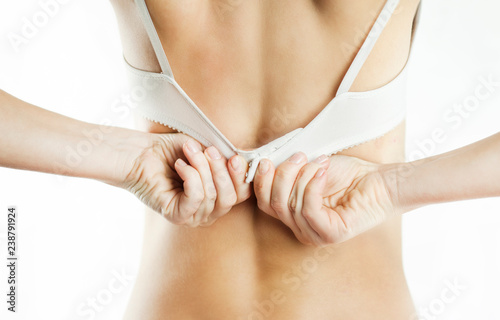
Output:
x,y
187,185
144,163
326,201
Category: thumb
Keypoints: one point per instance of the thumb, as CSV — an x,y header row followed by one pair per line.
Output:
x,y
172,146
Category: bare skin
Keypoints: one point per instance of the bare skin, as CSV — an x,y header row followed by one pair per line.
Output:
x,y
270,67
252,262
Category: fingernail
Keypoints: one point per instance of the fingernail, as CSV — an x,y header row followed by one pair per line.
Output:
x,y
235,164
263,167
181,162
320,173
321,159
193,146
297,158
213,153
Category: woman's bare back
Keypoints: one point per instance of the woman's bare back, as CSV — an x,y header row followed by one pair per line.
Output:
x,y
259,69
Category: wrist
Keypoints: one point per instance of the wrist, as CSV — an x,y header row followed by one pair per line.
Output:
x,y
398,179
115,154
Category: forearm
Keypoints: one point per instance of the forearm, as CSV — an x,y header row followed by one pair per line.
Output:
x,y
32,138
466,173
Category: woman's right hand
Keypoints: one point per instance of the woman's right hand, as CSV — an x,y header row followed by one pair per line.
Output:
x,y
185,184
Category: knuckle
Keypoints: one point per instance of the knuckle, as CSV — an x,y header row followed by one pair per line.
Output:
x,y
244,195
277,205
225,204
177,220
303,170
222,212
307,213
196,198
187,213
197,160
262,206
184,216
303,240
328,237
311,166
308,170
258,184
258,189
207,223
308,188
308,242
232,198
211,197
281,172
191,224
292,204
317,242
210,193
222,177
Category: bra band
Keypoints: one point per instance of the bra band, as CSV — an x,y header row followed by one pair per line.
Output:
x,y
349,119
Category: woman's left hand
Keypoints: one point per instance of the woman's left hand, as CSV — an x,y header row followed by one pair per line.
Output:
x,y
326,201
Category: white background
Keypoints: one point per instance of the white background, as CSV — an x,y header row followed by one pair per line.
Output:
x,y
76,234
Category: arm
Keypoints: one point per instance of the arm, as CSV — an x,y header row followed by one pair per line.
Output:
x,y
466,173
171,173
40,140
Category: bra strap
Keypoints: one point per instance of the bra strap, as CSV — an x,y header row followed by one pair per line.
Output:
x,y
367,46
153,37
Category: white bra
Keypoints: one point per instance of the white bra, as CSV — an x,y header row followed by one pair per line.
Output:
x,y
349,119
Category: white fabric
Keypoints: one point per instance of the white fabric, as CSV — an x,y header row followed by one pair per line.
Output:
x,y
351,118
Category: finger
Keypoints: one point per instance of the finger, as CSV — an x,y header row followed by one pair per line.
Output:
x,y
297,196
174,143
323,161
226,193
305,175
262,185
237,168
197,159
283,182
187,202
318,218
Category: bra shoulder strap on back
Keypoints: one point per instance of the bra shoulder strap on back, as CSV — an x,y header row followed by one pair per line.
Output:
x,y
367,46
153,37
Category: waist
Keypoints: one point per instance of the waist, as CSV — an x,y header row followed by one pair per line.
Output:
x,y
249,265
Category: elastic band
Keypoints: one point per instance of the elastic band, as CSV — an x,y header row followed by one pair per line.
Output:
x,y
153,37
367,46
